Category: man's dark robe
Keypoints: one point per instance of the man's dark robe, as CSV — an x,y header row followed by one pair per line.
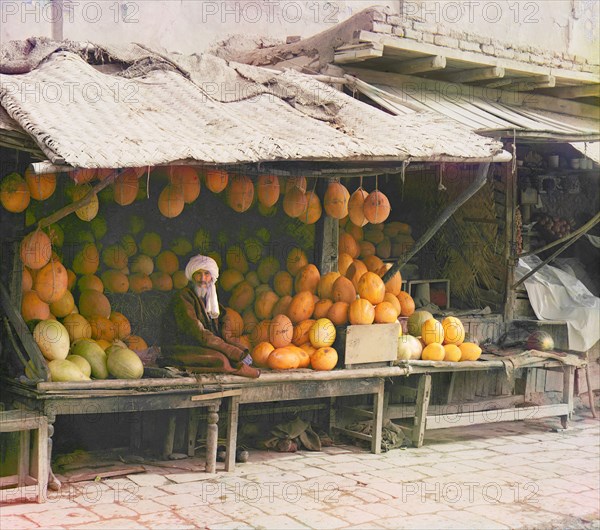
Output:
x,y
193,340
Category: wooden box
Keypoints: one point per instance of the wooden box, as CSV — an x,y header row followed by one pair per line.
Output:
x,y
376,344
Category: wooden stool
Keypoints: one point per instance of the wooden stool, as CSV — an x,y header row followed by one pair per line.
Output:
x,y
24,422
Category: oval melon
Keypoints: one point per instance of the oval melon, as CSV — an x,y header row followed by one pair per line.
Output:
x,y
81,363
62,370
94,355
416,321
52,338
124,363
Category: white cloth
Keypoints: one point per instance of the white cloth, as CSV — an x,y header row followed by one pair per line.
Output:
x,y
206,263
556,295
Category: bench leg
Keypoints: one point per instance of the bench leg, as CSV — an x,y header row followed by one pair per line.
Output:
x,y
567,394
169,437
423,395
232,430
135,432
193,422
212,437
41,460
378,419
53,483
24,458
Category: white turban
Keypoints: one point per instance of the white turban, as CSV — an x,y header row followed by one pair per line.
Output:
x,y
206,263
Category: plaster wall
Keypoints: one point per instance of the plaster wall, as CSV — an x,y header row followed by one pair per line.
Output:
x,y
193,25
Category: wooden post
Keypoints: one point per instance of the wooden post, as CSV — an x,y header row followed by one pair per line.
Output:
x,y
422,405
510,241
326,236
193,421
232,428
169,437
378,419
135,432
212,438
567,395
41,459
475,186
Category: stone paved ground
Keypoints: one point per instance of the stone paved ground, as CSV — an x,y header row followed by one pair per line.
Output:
x,y
502,475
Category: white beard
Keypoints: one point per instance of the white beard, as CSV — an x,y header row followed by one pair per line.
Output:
x,y
201,291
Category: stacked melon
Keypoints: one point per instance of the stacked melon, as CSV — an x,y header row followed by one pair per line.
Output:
x,y
432,340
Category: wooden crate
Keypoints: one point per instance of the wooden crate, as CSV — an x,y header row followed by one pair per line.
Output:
x,y
376,345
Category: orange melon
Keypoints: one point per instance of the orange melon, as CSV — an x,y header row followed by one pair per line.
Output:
x,y
289,183
14,193
343,290
296,260
356,207
140,282
268,190
51,282
102,328
240,193
267,267
326,284
41,187
121,325
348,245
242,296
236,259
301,332
344,261
384,248
35,250
322,308
302,355
229,278
394,284
260,354
283,359
281,331
385,313
361,311
216,180
136,343
161,281
338,313
355,272
126,187
376,207
71,279
371,287
282,306
294,202
433,352
93,303
171,201
264,304
313,210
389,297
406,303
26,280
77,327
366,248
63,306
233,323
324,359
33,308
336,200
179,280
167,261
283,283
260,332
307,279
250,321
185,178
373,263
115,281
301,307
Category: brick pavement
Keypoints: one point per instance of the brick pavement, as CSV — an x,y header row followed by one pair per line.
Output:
x,y
498,476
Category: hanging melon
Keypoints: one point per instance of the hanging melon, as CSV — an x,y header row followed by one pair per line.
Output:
x,y
35,250
126,187
336,200
41,187
240,193
14,193
90,210
216,180
268,190
313,209
187,180
171,201
289,183
376,207
355,207
295,202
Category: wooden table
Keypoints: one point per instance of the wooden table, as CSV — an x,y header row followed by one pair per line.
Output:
x,y
123,396
439,417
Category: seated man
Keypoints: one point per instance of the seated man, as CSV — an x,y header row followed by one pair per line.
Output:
x,y
193,337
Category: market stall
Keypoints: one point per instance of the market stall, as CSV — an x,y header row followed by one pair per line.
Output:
x,y
105,201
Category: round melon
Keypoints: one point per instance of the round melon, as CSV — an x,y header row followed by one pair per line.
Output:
x,y
136,343
151,244
52,338
93,303
142,264
416,321
51,281
63,306
36,250
115,281
87,260
77,326
281,331
124,363
322,333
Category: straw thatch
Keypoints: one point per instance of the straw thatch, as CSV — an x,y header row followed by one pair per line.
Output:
x,y
157,108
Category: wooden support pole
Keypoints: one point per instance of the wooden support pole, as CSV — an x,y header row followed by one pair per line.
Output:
x,y
232,429
212,436
573,92
423,395
378,419
422,64
525,84
475,186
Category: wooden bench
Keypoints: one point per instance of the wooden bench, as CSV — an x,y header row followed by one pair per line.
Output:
x,y
32,469
476,412
49,399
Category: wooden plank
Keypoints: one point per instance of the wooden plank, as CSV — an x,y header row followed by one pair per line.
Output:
x,y
24,440
357,411
24,334
494,416
354,434
393,43
376,343
232,432
378,419
573,92
82,477
357,54
215,395
476,74
422,64
525,84
405,391
419,85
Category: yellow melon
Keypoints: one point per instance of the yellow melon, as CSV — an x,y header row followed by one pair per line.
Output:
x,y
469,351
432,331
452,353
454,331
115,281
322,333
434,351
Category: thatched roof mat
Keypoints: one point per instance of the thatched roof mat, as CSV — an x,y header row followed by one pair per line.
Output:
x,y
160,108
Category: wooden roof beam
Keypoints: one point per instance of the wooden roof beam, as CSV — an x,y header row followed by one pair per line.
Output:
x,y
422,64
574,92
355,53
526,84
477,74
